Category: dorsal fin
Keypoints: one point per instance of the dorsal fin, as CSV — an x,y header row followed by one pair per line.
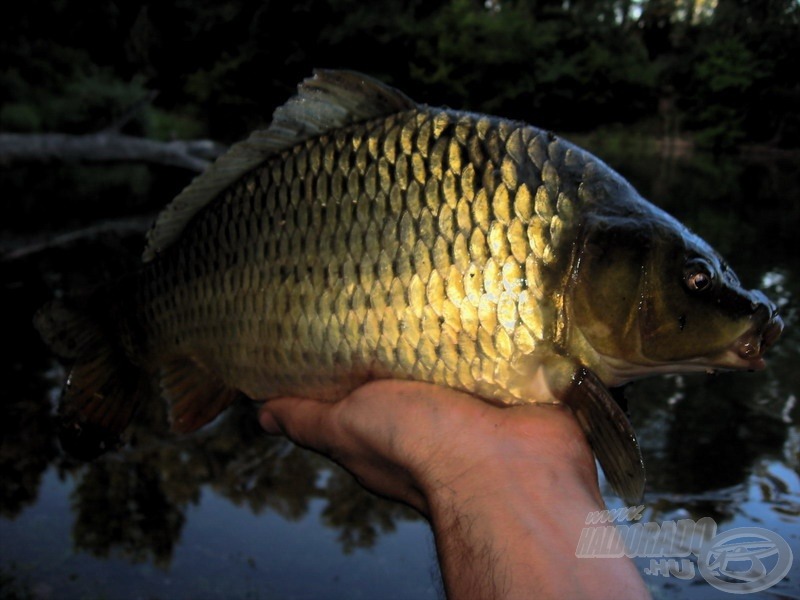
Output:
x,y
326,101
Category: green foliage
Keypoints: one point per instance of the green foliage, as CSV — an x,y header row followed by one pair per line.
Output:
x,y
93,100
220,68
173,125
20,117
727,67
457,49
538,62
54,88
725,74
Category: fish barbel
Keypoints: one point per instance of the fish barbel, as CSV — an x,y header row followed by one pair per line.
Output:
x,y
365,236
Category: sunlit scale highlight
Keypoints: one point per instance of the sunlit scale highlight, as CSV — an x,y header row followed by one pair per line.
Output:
x,y
403,247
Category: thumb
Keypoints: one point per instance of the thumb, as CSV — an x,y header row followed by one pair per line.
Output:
x,y
306,422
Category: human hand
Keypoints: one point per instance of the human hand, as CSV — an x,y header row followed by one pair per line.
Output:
x,y
506,489
410,441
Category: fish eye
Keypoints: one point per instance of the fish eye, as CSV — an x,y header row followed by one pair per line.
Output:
x,y
698,275
698,281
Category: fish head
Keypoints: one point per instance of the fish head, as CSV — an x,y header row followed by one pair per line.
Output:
x,y
648,296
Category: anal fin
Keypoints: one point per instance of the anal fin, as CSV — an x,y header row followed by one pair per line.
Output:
x,y
610,434
195,394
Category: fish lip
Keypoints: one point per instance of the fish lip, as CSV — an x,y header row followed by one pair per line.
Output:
x,y
745,353
751,345
772,332
731,360
756,364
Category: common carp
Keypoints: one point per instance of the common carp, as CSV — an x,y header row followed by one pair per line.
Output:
x,y
364,236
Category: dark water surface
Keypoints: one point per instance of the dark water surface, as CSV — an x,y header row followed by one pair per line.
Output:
x,y
229,512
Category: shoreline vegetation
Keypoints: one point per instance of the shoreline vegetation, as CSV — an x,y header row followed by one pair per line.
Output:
x,y
682,146
718,75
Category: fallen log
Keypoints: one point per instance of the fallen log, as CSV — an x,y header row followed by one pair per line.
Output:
x,y
19,247
193,155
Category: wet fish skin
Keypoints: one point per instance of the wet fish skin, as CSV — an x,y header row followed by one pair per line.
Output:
x,y
365,236
397,248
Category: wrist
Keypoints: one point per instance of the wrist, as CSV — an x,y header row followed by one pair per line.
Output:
x,y
508,517
506,531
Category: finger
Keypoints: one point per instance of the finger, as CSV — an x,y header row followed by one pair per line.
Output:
x,y
306,422
268,422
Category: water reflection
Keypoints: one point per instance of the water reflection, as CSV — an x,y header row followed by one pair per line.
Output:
x,y
726,447
133,502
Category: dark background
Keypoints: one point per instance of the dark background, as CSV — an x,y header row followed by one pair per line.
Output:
x,y
232,513
723,73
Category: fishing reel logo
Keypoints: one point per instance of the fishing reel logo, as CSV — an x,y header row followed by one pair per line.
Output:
x,y
744,560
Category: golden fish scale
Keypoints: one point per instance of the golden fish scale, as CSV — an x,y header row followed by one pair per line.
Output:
x,y
430,245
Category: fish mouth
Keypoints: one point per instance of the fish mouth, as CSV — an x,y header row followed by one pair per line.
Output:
x,y
747,351
744,353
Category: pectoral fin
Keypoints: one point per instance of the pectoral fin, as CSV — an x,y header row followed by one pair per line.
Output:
x,y
610,434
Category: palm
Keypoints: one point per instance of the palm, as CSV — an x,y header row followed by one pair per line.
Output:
x,y
403,439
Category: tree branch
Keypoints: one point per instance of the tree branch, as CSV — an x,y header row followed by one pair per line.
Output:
x,y
107,146
22,247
